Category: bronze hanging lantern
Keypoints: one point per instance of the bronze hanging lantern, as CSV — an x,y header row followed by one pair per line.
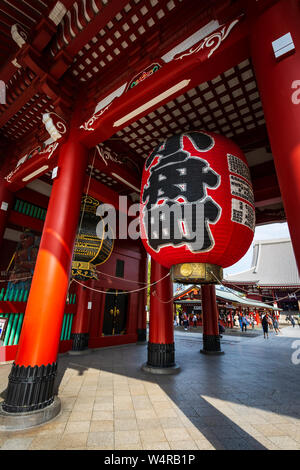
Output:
x,y
90,250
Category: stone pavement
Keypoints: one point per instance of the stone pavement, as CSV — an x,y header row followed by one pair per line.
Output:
x,y
246,399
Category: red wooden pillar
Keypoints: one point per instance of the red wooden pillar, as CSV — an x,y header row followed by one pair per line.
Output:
x,y
31,380
142,314
6,201
161,349
278,83
80,326
210,315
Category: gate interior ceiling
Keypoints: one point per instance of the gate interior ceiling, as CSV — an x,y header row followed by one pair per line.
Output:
x,y
67,49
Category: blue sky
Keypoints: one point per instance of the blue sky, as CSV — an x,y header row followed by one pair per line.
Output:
x,y
263,232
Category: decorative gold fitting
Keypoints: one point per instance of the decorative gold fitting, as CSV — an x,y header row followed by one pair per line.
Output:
x,y
196,273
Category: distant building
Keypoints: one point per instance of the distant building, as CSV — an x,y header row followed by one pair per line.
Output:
x,y
273,276
228,302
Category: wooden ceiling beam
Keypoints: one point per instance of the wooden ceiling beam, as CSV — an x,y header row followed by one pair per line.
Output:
x,y
92,28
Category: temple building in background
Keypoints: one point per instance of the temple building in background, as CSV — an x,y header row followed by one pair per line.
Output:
x,y
273,277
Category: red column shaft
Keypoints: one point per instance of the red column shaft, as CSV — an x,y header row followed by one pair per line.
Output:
x,y
161,306
142,315
210,312
40,335
277,80
81,319
6,197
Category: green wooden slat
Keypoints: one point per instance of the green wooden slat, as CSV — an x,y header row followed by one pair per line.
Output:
x,y
20,295
6,294
13,329
9,325
11,294
66,326
16,295
2,293
63,328
26,295
19,327
70,326
21,206
16,206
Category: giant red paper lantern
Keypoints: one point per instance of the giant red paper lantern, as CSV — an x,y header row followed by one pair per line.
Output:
x,y
197,206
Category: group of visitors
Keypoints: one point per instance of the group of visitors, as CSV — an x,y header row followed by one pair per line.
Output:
x,y
270,321
245,321
186,320
291,319
241,319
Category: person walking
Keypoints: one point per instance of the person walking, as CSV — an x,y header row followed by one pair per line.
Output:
x,y
185,322
244,323
265,324
241,322
275,325
195,320
293,321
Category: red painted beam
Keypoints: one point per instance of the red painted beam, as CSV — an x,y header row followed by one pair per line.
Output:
x,y
25,221
112,169
171,80
33,197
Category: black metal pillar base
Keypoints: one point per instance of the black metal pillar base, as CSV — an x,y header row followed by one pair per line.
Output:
x,y
80,342
141,336
161,359
29,388
30,419
211,345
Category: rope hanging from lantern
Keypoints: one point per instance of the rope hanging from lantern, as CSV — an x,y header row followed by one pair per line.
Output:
x,y
87,192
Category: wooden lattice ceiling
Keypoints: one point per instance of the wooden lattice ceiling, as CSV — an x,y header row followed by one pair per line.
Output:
x,y
99,44
229,105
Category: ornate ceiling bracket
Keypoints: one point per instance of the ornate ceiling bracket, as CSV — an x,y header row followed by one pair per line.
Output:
x,y
55,125
211,43
36,162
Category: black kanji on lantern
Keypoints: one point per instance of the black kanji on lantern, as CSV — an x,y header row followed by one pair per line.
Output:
x,y
177,210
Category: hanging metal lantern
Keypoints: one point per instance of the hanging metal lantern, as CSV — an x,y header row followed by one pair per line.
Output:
x,y
90,250
197,206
